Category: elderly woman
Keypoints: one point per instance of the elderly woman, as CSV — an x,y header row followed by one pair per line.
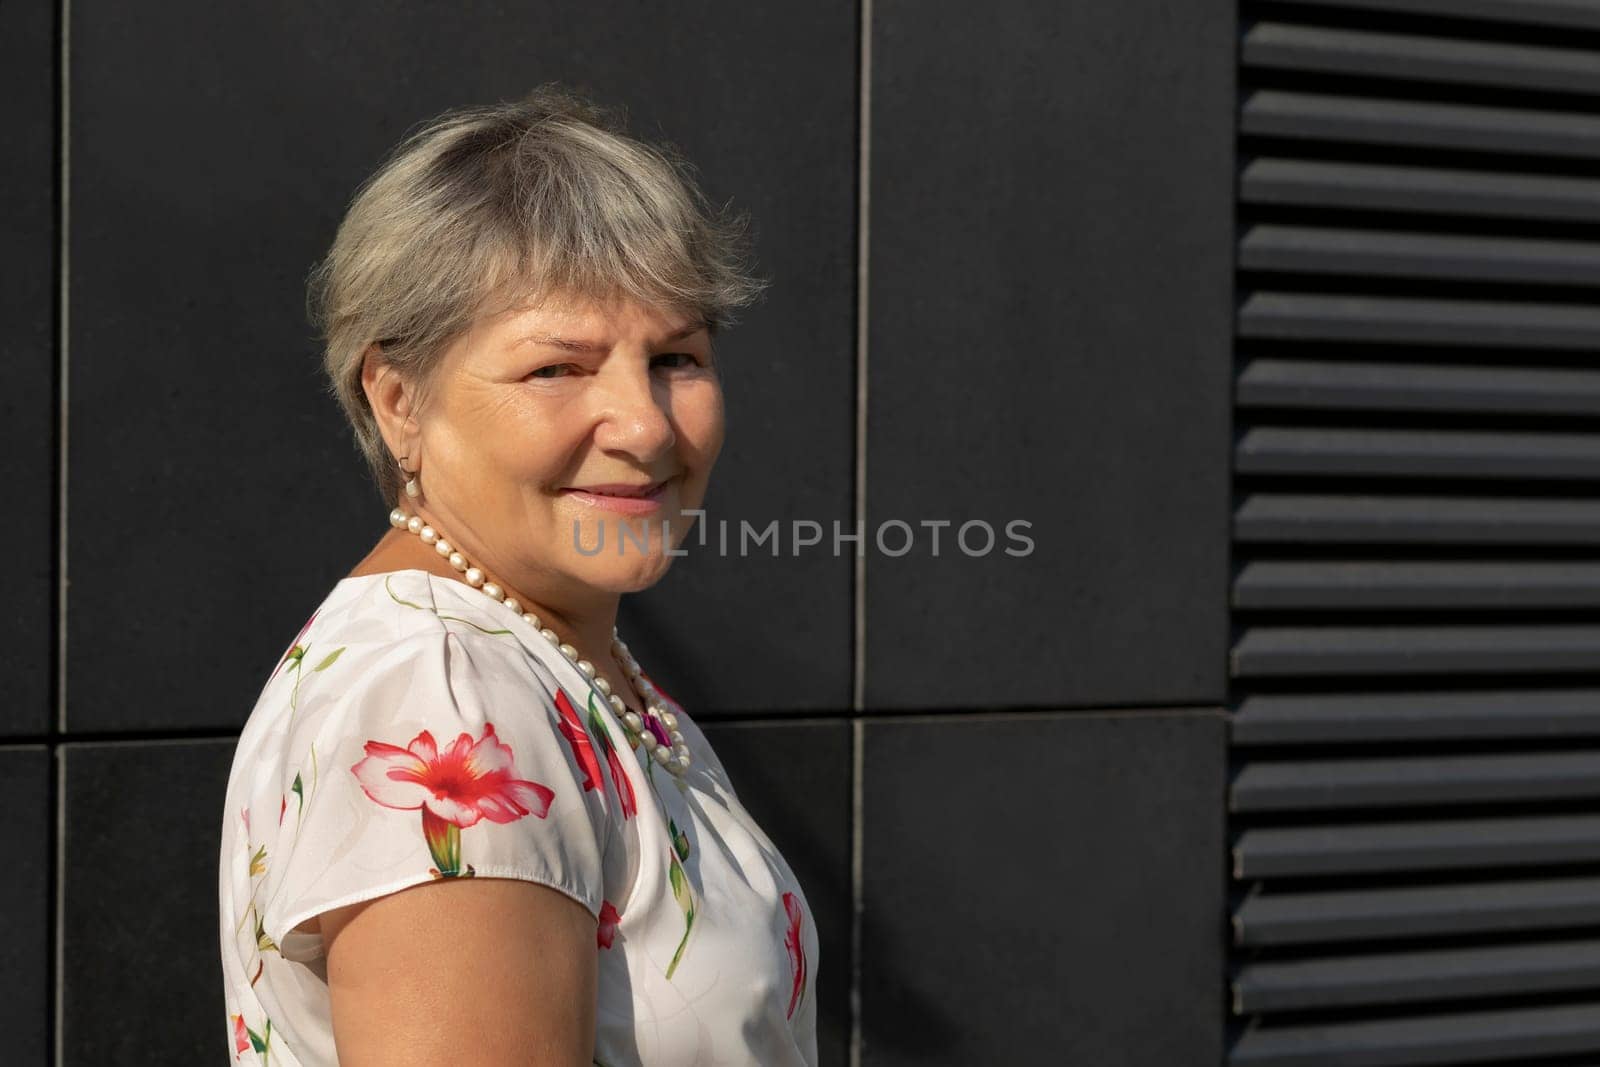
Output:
x,y
463,826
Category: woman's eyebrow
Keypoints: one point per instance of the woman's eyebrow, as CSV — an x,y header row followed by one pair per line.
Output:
x,y
573,345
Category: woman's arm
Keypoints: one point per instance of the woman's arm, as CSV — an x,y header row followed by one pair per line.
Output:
x,y
496,972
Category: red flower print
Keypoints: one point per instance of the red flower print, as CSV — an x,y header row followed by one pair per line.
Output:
x,y
245,1038
473,779
620,780
608,924
283,806
582,747
624,787
797,950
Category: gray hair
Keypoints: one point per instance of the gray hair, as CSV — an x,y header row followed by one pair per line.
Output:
x,y
486,208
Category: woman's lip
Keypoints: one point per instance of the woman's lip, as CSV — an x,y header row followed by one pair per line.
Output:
x,y
616,489
596,496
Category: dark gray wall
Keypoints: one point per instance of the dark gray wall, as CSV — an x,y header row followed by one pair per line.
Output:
x,y
1001,779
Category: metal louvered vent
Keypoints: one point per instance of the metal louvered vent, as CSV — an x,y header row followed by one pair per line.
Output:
x,y
1415,797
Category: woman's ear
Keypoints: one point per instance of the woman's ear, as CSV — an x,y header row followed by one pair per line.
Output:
x,y
390,397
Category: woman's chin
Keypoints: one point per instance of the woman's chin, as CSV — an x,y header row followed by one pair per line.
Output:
x,y
626,575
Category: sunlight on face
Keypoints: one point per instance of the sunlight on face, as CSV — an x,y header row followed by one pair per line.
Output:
x,y
536,405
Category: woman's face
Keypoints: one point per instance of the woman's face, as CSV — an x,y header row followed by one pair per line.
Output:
x,y
545,425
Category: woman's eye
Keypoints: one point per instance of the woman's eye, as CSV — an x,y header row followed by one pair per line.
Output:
x,y
680,355
555,367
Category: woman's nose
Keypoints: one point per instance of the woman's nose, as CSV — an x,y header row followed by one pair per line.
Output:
x,y
634,414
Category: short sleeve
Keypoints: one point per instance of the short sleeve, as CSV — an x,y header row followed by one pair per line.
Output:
x,y
439,755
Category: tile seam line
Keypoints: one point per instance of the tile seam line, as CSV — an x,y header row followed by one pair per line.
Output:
x,y
57,991
859,564
63,132
863,249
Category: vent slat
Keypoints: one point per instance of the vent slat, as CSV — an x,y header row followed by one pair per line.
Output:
x,y
1372,187
1364,120
1305,585
1402,320
1574,14
1306,518
1388,254
1334,651
1416,911
1344,718
1320,785
1397,453
1365,53
1350,385
1457,1037
1401,977
1306,851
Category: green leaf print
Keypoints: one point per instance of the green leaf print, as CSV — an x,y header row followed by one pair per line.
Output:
x,y
453,618
681,890
262,1041
685,899
328,661
263,942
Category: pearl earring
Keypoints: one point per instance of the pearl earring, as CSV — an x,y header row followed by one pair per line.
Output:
x,y
413,489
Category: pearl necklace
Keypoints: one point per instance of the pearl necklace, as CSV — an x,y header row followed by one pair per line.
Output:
x,y
657,730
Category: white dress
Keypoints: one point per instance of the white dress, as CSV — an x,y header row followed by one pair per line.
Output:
x,y
418,730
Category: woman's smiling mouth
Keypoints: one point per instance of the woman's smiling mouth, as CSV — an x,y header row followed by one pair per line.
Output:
x,y
620,496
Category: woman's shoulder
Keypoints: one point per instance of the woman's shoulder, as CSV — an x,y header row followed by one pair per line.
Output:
x,y
371,613
372,634
392,605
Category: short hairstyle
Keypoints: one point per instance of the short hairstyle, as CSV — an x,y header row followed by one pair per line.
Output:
x,y
490,207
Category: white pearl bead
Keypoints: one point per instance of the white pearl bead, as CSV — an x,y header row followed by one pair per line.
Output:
x,y
586,667
442,547
669,720
428,534
531,619
550,635
662,754
414,524
397,518
634,722
648,740
568,651
494,591
458,561
603,685
616,703
513,604
413,489
677,738
683,759
474,577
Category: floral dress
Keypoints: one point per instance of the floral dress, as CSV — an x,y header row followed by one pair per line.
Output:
x,y
416,730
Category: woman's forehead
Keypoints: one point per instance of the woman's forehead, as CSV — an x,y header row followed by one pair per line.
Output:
x,y
585,325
